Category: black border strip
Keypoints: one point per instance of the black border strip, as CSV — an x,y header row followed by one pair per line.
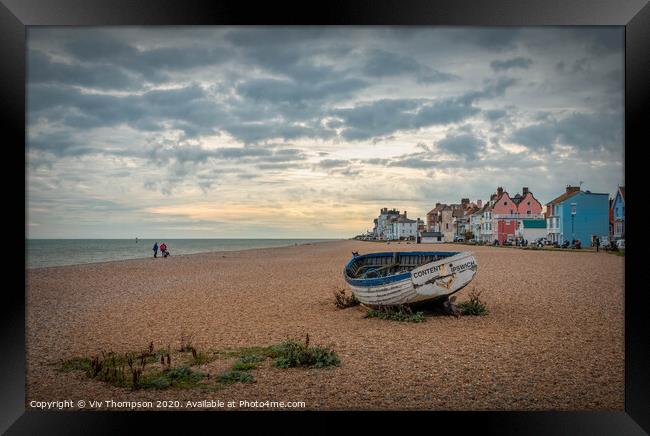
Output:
x,y
633,14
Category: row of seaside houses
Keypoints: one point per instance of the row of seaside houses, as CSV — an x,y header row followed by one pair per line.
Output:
x,y
573,215
502,217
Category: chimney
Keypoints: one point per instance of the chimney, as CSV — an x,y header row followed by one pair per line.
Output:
x,y
479,203
524,190
570,189
404,214
499,190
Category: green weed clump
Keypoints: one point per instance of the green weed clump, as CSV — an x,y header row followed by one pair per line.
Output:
x,y
343,301
474,306
401,313
179,377
77,364
290,354
235,376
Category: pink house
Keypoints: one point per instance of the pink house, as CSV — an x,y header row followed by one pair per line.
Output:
x,y
527,204
508,213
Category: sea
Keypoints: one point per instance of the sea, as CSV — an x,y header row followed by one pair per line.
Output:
x,y
58,252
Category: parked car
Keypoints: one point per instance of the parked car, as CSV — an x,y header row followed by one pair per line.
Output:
x,y
472,241
620,244
540,242
459,238
604,242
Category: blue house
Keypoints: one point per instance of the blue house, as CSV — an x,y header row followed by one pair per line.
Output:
x,y
618,214
577,214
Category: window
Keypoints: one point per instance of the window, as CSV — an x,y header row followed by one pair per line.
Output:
x,y
527,212
505,203
529,203
573,208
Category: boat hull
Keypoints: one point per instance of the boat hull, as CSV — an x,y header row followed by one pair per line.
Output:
x,y
427,282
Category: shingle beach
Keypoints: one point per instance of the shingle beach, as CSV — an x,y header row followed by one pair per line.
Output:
x,y
553,338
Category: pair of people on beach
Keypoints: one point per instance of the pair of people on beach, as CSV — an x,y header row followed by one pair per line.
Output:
x,y
163,249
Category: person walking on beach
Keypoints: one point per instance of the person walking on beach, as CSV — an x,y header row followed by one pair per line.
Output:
x,y
163,249
597,243
155,249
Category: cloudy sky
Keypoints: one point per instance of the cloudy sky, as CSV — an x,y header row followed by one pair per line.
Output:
x,y
175,132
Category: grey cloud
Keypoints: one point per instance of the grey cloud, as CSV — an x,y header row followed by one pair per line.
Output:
x,y
414,162
518,62
583,131
495,114
186,108
279,166
601,40
153,64
60,144
381,63
333,163
490,38
41,69
383,117
256,132
280,91
536,136
464,144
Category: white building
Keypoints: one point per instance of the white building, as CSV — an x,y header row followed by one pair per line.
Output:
x,y
431,238
403,228
532,229
382,222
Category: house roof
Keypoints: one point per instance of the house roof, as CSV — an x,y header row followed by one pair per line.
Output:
x,y
534,224
621,189
563,197
437,209
405,220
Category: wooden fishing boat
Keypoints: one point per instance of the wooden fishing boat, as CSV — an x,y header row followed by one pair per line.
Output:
x,y
388,279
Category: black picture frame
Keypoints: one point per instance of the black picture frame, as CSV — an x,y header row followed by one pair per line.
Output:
x,y
15,15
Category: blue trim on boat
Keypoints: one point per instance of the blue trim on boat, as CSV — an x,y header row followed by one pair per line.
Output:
x,y
389,279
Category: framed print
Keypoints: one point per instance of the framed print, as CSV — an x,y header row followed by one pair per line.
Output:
x,y
382,207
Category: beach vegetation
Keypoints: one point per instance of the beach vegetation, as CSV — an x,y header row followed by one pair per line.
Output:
x,y
343,301
291,354
151,369
473,306
402,313
185,341
247,362
76,364
241,366
182,377
235,376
